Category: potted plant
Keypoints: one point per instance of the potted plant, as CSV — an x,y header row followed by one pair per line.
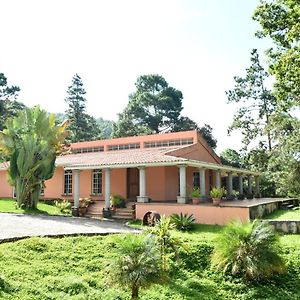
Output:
x,y
196,195
83,206
117,201
216,194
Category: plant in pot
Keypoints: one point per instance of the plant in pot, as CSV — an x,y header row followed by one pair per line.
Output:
x,y
216,194
196,195
117,201
83,205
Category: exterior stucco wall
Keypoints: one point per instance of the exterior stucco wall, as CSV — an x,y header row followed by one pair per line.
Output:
x,y
155,183
171,183
211,215
5,189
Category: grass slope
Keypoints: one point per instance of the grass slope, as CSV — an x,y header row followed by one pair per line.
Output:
x,y
8,205
282,214
75,268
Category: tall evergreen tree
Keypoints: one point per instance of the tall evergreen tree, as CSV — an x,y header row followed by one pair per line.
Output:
x,y
257,103
82,126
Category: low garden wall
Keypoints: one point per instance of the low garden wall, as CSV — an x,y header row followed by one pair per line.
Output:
x,y
285,226
257,212
203,214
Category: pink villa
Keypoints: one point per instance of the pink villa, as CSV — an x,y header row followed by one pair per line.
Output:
x,y
155,172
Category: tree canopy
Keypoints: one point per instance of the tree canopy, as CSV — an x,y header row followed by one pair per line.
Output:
x,y
280,21
155,107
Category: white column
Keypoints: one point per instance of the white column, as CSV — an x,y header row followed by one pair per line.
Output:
x,y
202,182
76,187
142,197
249,184
241,188
257,188
107,188
229,184
218,179
182,184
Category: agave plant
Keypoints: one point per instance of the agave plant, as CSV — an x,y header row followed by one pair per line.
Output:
x,y
248,250
183,222
136,263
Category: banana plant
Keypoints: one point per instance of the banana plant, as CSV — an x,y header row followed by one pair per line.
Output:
x,y
31,141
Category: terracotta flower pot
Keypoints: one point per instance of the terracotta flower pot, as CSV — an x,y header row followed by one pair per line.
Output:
x,y
195,200
216,201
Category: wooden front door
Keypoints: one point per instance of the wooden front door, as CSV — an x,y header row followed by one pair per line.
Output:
x,y
133,183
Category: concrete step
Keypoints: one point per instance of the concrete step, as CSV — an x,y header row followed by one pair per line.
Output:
x,y
125,217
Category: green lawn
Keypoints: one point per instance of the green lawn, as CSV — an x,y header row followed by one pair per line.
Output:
x,y
9,205
76,268
282,214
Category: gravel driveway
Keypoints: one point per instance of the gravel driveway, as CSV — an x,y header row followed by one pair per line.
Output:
x,y
15,226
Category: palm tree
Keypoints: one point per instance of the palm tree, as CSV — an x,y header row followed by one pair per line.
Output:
x,y
136,263
168,244
249,250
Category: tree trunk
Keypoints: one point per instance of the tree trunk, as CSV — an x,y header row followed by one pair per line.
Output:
x,y
134,292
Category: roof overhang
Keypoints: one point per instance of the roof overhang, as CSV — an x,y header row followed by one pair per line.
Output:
x,y
185,162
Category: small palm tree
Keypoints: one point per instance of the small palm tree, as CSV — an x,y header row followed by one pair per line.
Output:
x,y
248,250
136,263
168,244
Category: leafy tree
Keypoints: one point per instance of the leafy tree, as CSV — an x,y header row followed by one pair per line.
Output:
x,y
206,132
106,128
8,105
258,103
279,20
231,157
82,126
136,263
154,107
248,250
31,141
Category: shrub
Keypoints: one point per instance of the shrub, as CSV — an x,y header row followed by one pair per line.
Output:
x,y
196,193
136,263
248,250
64,206
183,222
118,201
217,192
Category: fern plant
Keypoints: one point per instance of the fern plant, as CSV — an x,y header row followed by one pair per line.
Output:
x,y
183,222
248,250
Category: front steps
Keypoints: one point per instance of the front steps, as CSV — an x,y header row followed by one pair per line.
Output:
x,y
95,211
289,205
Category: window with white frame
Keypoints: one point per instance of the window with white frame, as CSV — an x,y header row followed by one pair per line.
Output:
x,y
68,182
97,182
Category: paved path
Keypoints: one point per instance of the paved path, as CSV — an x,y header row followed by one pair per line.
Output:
x,y
15,226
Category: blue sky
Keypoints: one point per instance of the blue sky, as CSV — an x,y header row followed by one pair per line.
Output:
x,y
198,46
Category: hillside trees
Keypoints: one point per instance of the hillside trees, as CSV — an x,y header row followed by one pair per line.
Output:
x,y
31,140
8,104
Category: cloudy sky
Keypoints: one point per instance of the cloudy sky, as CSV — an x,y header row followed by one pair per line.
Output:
x,y
197,45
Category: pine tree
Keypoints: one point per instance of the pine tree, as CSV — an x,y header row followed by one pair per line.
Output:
x,y
82,126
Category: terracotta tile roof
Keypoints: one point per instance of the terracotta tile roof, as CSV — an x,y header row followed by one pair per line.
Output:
x,y
113,158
